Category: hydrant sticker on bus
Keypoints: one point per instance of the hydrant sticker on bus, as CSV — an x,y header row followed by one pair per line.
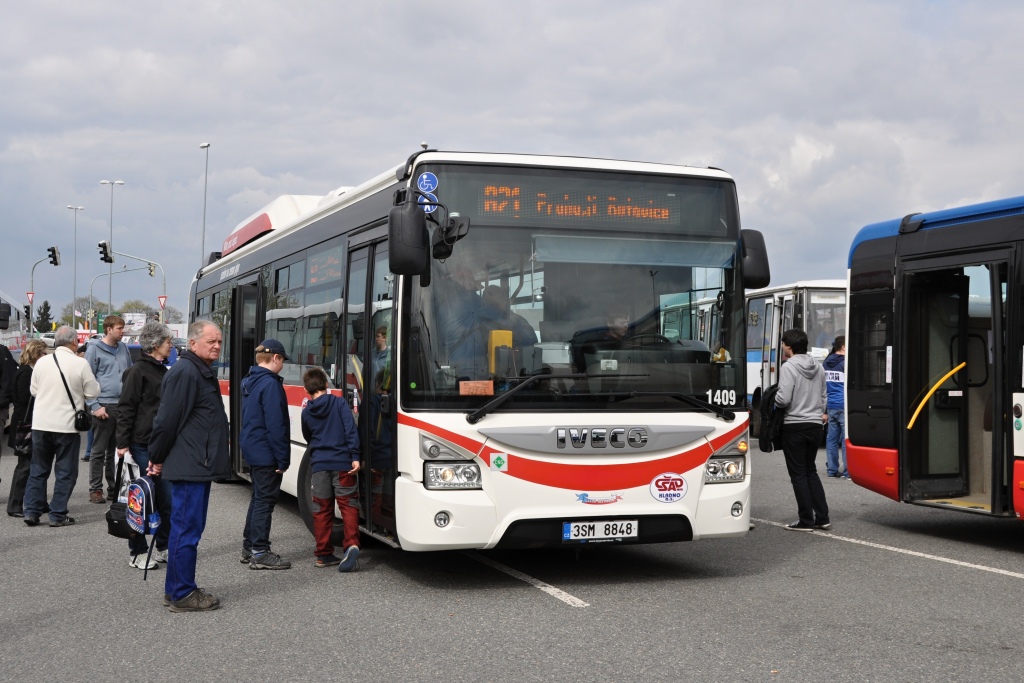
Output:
x,y
668,487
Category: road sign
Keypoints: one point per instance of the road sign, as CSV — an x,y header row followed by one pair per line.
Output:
x,y
30,296
163,301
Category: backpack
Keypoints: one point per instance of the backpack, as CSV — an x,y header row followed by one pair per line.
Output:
x,y
771,417
141,513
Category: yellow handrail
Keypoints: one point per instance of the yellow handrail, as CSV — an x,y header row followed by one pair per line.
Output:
x,y
933,390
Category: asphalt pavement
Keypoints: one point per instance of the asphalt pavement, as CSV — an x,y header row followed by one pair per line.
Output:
x,y
891,593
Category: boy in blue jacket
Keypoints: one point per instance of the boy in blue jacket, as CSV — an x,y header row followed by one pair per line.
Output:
x,y
835,382
266,446
330,431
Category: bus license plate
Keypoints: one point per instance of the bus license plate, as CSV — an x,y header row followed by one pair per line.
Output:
x,y
605,530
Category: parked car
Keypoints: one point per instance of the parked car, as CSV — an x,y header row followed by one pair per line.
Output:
x,y
180,344
47,338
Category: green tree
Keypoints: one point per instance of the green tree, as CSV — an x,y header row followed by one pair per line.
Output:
x,y
43,317
173,315
82,305
136,306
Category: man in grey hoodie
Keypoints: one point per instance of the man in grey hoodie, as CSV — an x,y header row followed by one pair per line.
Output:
x,y
803,396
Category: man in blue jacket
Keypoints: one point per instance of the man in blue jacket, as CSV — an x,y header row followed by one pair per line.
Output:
x,y
835,381
189,447
266,440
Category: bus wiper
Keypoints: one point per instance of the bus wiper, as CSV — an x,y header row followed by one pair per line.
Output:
x,y
723,413
475,416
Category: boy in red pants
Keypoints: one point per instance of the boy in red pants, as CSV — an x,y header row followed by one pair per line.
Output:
x,y
330,431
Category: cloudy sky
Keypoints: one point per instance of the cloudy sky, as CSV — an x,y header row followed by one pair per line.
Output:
x,y
829,115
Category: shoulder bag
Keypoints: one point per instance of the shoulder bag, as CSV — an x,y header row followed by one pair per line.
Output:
x,y
23,433
117,522
83,420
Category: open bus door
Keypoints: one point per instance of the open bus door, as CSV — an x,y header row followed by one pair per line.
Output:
x,y
953,443
242,355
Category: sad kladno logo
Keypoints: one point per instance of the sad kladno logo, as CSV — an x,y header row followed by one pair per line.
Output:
x,y
668,487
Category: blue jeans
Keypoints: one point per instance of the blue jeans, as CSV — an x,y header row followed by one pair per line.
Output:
x,y
137,544
57,451
834,440
266,485
190,502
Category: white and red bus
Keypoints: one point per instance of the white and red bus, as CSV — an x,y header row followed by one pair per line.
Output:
x,y
496,322
13,325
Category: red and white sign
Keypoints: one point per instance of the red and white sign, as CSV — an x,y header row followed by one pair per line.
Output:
x,y
163,301
30,296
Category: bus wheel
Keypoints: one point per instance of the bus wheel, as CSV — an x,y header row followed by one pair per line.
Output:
x,y
304,495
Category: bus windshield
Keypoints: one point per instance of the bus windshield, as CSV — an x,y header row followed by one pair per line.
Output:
x,y
639,304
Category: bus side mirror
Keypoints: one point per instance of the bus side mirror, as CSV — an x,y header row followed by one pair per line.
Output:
x,y
756,273
407,239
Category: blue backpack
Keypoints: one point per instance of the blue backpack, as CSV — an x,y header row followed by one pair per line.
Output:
x,y
141,513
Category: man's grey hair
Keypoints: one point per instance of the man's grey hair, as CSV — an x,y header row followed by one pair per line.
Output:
x,y
153,334
196,329
66,336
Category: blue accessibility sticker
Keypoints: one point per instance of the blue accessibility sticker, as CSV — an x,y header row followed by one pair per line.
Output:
x,y
429,202
427,182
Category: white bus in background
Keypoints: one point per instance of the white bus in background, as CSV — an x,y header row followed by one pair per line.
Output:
x,y
459,302
14,329
817,307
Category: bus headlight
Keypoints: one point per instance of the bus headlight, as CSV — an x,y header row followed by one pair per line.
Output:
x,y
450,475
720,470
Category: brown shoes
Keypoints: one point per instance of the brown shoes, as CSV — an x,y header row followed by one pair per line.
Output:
x,y
196,601
97,497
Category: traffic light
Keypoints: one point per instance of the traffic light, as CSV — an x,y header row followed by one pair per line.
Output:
x,y
105,254
28,312
152,270
54,256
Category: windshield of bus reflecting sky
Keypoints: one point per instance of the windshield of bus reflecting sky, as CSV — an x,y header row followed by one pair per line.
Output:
x,y
627,282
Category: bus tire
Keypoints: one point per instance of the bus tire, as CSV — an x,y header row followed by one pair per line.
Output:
x,y
304,495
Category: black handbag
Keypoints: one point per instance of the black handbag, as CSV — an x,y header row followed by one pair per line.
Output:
x,y
23,433
117,521
83,419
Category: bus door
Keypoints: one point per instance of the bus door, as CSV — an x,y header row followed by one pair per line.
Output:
x,y
369,353
953,322
241,342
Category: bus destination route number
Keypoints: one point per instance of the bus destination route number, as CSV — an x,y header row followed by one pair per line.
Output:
x,y
606,530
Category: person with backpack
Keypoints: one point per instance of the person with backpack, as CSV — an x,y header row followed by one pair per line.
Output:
x,y
835,382
141,389
266,444
802,395
330,430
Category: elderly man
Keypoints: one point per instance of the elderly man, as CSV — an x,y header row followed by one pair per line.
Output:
x,y
62,383
189,447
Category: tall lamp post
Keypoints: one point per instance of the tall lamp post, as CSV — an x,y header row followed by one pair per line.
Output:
x,y
74,269
110,266
206,176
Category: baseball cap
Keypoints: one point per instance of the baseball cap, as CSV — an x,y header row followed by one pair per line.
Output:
x,y
272,346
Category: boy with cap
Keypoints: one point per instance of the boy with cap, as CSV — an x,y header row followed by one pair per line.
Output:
x,y
266,446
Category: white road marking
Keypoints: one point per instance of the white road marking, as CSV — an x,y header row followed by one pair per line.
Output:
x,y
570,600
904,551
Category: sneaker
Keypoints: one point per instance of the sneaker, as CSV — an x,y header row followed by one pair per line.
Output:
x,y
797,526
269,560
350,560
160,555
326,561
246,557
196,601
167,599
67,521
139,562
824,527
31,520
97,497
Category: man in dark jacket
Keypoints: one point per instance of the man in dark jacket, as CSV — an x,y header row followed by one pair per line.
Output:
x,y
8,368
266,444
189,446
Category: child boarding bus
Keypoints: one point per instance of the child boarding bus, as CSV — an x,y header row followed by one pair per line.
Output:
x,y
495,322
816,306
934,358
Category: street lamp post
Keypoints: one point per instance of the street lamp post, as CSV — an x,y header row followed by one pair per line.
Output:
x,y
74,269
110,266
32,288
91,306
206,176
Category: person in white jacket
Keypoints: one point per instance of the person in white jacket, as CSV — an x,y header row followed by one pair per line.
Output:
x,y
55,442
802,394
